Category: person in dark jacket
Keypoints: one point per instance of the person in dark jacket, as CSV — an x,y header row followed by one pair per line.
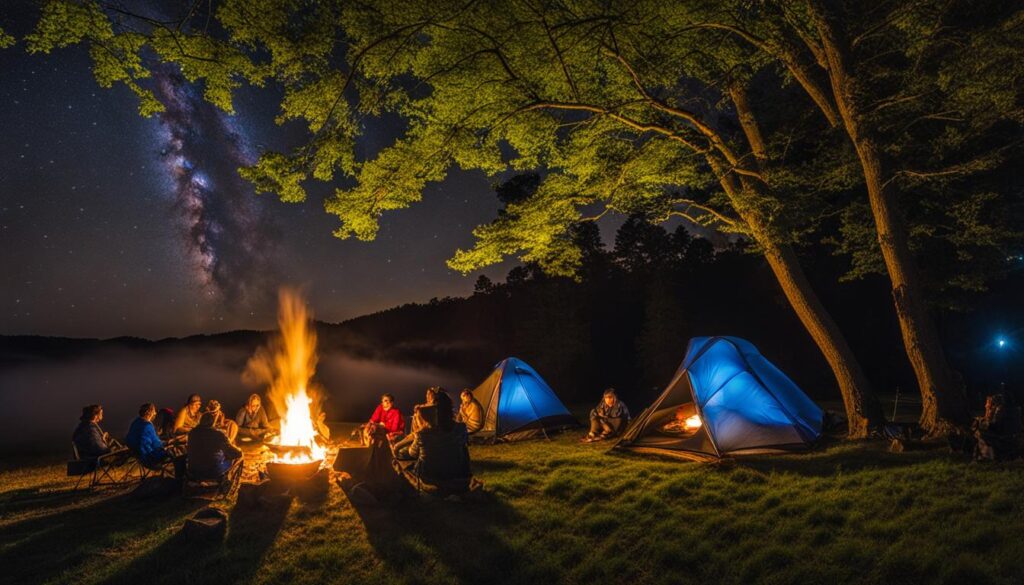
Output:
x,y
440,451
608,418
90,440
210,454
252,421
164,423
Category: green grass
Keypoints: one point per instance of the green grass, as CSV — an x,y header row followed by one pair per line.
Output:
x,y
556,511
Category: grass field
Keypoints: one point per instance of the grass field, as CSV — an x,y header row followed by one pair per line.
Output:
x,y
559,512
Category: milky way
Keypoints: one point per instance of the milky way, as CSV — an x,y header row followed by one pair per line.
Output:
x,y
228,236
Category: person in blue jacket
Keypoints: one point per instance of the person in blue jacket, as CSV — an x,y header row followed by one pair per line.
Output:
x,y
143,440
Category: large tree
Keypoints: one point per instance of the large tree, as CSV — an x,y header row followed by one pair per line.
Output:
x,y
617,111
928,93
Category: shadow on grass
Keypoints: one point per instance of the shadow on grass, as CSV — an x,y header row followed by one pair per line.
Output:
x,y
492,465
847,457
251,532
468,541
50,546
829,458
39,500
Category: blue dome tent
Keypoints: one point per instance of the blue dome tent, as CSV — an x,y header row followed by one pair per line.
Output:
x,y
519,404
736,401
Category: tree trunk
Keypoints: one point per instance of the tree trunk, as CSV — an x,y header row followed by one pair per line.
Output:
x,y
863,412
944,405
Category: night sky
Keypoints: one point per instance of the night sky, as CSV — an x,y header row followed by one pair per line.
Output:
x,y
112,224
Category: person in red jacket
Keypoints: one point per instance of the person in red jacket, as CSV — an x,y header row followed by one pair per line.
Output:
x,y
386,421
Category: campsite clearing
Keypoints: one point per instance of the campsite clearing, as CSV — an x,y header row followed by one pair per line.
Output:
x,y
557,511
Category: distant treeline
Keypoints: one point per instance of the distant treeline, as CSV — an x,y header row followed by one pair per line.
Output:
x,y
627,318
626,321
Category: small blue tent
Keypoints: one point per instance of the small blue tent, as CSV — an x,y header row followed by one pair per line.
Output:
x,y
519,404
738,403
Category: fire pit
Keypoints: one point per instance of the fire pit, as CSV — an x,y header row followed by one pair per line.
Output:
x,y
293,472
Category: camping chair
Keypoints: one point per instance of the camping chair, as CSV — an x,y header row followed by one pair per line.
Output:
x,y
100,470
226,485
136,467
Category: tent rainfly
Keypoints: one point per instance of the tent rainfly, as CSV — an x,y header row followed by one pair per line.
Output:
x,y
518,404
734,402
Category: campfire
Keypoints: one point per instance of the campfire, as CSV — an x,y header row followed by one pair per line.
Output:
x,y
693,423
287,365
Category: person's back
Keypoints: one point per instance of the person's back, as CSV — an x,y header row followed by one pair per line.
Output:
x,y
441,455
89,440
210,454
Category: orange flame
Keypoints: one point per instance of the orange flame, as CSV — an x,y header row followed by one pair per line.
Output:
x,y
693,422
287,365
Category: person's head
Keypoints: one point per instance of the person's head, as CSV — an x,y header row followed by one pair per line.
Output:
x,y
92,413
147,411
212,406
431,394
193,403
209,419
254,403
610,397
466,395
387,401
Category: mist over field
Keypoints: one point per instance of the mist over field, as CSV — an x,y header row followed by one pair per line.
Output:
x,y
41,400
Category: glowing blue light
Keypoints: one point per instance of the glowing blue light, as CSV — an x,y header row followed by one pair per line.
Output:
x,y
1001,342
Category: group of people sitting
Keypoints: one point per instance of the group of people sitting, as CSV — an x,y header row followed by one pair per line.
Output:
x,y
432,450
200,442
434,453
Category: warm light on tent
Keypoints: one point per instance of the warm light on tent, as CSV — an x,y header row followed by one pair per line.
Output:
x,y
693,423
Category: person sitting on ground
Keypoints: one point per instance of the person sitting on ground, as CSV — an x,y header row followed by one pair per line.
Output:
x,y
224,424
471,412
210,455
684,421
608,419
90,440
440,452
252,421
189,415
386,422
996,433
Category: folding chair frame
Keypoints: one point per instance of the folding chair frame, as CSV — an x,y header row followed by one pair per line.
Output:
x,y
105,468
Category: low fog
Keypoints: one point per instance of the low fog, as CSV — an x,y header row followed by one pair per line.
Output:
x,y
40,402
